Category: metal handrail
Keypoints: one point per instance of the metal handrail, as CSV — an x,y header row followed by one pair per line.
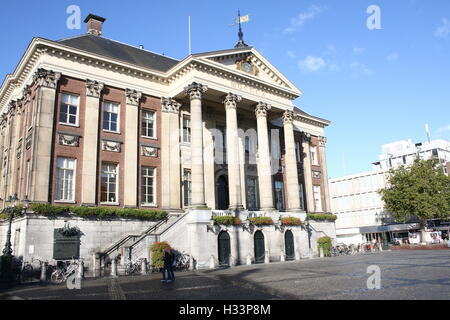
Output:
x,y
149,231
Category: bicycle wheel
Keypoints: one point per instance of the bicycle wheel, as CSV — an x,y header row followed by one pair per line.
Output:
x,y
57,277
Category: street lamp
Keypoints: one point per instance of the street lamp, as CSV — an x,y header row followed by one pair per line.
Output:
x,y
6,274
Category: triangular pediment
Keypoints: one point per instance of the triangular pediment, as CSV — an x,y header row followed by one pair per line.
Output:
x,y
249,62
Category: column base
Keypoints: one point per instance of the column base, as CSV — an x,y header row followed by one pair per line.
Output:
x,y
199,207
236,208
268,209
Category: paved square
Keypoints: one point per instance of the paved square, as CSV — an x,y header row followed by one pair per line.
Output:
x,y
404,275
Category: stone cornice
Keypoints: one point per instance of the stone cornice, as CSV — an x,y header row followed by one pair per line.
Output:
x,y
312,121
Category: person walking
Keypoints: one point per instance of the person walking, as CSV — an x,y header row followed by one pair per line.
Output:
x,y
172,265
168,260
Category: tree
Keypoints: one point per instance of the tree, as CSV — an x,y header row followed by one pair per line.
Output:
x,y
420,191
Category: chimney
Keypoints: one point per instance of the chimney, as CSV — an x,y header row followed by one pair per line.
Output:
x,y
94,24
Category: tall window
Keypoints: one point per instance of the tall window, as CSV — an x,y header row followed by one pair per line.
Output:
x,y
148,186
297,151
186,129
279,195
148,124
251,194
314,160
109,183
187,188
111,117
302,197
68,111
65,179
317,199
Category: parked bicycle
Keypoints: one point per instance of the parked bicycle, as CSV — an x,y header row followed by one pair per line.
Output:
x,y
64,269
132,267
182,262
28,270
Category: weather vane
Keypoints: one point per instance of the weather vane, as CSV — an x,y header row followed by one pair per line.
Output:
x,y
240,20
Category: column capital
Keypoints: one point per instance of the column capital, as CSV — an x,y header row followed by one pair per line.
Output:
x,y
170,105
288,117
12,108
261,109
26,93
133,97
94,88
46,78
231,100
306,137
322,141
195,90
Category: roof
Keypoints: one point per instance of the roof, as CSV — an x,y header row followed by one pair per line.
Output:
x,y
117,50
300,112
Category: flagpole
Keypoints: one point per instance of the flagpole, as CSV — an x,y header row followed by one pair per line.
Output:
x,y
189,28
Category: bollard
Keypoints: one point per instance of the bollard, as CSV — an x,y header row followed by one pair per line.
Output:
x,y
80,274
113,268
266,257
282,257
321,255
249,259
311,253
212,264
144,266
43,271
191,263
94,265
371,247
380,246
297,255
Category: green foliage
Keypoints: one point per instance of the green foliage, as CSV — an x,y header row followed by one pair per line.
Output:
x,y
325,244
157,253
421,190
291,221
261,221
101,213
227,220
17,212
321,216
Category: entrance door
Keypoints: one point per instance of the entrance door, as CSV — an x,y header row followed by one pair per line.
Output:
x,y
260,250
289,245
223,201
224,248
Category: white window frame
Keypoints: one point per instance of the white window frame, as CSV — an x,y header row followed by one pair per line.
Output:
x,y
189,189
118,116
186,116
107,184
313,151
256,192
154,123
77,116
317,200
58,183
154,203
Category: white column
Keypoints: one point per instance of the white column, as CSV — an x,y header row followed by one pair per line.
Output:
x,y
307,172
290,162
131,147
195,92
323,166
234,177
264,168
90,143
44,113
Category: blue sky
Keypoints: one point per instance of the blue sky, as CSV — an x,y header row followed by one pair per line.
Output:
x,y
376,86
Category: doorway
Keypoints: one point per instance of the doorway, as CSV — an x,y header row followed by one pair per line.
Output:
x,y
224,248
289,245
260,250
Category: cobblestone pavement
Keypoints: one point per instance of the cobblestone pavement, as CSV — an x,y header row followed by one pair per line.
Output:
x,y
404,275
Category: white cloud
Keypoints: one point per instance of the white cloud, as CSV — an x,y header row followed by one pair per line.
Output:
x,y
392,57
444,30
357,51
299,21
359,69
291,54
312,63
443,129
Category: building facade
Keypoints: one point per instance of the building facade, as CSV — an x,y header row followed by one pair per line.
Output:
x,y
89,121
359,207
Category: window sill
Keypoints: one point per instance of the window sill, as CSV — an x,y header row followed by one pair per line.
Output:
x,y
109,203
149,205
65,201
109,131
69,125
149,138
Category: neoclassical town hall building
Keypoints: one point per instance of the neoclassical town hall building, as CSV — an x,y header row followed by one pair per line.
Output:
x,y
89,121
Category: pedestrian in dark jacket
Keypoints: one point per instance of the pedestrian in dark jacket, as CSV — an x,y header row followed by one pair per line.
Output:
x,y
168,259
172,265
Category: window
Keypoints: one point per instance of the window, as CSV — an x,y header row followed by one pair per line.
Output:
x,y
302,197
65,179
109,183
148,186
317,199
279,195
314,161
297,151
68,111
27,186
148,124
186,129
252,197
187,188
111,117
